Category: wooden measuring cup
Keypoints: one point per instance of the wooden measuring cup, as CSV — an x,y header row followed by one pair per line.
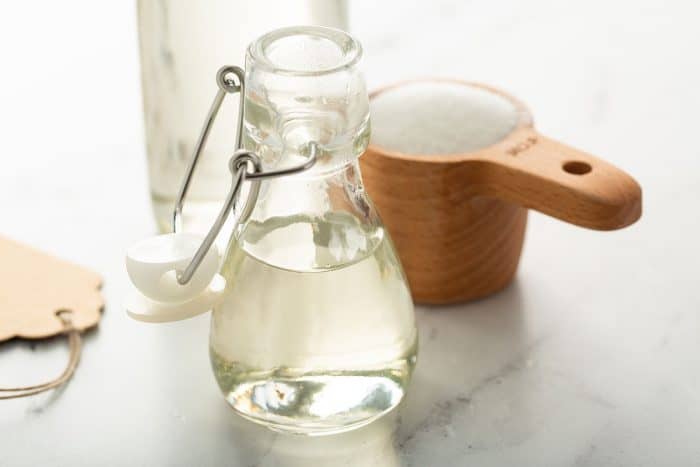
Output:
x,y
458,220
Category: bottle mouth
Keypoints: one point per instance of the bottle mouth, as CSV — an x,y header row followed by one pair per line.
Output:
x,y
305,51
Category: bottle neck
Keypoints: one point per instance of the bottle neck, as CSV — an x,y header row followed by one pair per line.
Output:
x,y
303,85
313,194
333,183
312,223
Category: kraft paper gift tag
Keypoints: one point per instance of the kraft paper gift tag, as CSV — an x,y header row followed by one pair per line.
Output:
x,y
42,296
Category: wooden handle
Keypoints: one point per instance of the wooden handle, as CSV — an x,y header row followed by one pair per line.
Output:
x,y
540,173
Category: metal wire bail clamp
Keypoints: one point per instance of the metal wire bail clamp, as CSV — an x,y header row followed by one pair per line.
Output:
x,y
238,165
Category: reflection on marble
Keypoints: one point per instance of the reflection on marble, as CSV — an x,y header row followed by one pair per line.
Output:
x,y
371,446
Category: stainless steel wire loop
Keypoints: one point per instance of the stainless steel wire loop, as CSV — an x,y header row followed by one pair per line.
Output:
x,y
226,86
238,165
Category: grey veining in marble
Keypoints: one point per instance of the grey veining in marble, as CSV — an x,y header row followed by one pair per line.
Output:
x,y
591,358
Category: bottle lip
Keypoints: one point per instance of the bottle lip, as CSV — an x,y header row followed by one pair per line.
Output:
x,y
350,48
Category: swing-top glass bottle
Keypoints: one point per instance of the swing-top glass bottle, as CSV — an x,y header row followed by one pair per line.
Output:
x,y
315,333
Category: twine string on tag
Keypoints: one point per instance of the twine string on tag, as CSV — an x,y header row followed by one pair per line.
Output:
x,y
74,344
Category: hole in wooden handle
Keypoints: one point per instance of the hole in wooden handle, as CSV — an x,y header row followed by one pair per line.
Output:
x,y
577,167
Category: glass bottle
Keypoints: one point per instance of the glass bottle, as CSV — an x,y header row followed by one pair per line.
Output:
x,y
315,332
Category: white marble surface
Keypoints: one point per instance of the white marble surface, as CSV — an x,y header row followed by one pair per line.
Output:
x,y
591,358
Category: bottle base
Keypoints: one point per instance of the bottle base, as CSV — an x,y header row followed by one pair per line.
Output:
x,y
316,405
313,430
307,403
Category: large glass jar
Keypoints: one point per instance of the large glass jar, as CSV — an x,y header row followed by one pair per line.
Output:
x,y
315,333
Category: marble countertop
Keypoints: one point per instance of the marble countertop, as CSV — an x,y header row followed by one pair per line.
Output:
x,y
590,358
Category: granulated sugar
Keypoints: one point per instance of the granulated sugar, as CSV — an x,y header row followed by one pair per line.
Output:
x,y
440,118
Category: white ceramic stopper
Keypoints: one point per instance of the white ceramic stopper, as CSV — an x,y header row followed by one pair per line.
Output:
x,y
153,265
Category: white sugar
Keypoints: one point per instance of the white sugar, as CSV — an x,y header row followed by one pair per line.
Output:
x,y
440,118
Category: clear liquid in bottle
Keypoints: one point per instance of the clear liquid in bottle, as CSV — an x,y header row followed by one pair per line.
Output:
x,y
316,334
